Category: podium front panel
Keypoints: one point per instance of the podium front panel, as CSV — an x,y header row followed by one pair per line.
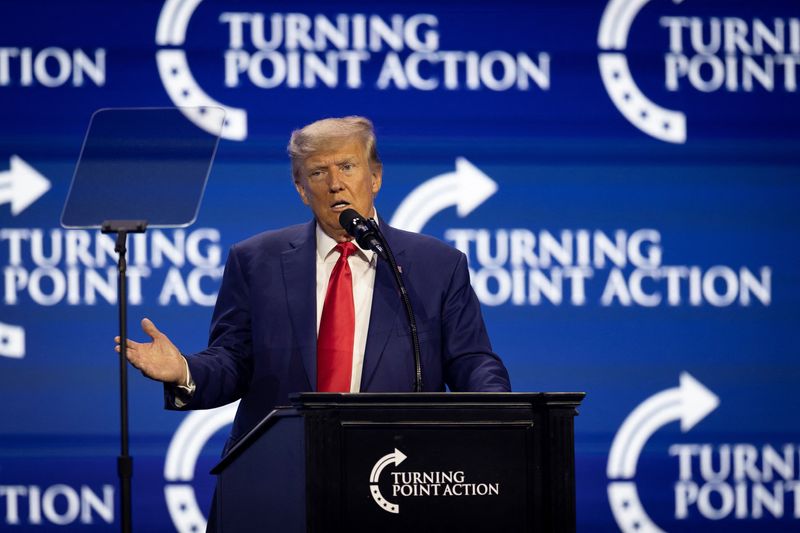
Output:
x,y
457,477
405,462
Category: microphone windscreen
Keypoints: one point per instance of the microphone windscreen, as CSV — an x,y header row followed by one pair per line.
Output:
x,y
347,217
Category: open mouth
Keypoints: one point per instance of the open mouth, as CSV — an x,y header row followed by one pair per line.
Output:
x,y
340,205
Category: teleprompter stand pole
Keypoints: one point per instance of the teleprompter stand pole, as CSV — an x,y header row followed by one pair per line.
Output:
x,y
124,461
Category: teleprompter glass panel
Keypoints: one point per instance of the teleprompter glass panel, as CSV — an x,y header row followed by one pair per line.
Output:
x,y
142,164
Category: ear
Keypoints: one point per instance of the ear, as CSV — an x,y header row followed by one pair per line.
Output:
x,y
301,190
377,179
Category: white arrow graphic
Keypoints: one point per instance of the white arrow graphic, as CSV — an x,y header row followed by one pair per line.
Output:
x,y
21,185
466,188
12,341
689,403
395,457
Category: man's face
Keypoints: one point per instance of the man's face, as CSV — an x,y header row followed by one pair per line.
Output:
x,y
336,179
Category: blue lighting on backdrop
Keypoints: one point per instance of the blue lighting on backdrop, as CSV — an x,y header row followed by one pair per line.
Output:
x,y
623,177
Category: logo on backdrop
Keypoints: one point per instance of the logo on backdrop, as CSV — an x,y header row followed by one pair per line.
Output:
x,y
12,341
689,403
51,67
20,186
748,482
49,267
427,484
521,266
184,450
56,505
706,54
78,267
305,51
466,188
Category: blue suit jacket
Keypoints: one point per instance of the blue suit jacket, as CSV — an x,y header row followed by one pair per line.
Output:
x,y
263,332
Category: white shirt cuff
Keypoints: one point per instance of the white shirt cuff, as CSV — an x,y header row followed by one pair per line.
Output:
x,y
185,391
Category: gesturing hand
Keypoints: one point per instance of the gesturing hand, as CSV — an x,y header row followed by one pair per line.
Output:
x,y
159,359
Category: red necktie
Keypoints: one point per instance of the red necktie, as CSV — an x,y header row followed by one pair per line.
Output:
x,y
337,327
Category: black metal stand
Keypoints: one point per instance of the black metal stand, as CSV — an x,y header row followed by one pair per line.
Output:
x,y
124,461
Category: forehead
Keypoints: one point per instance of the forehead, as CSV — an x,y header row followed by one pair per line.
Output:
x,y
336,151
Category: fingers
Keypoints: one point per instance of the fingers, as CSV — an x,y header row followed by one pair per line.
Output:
x,y
159,359
150,328
133,356
130,343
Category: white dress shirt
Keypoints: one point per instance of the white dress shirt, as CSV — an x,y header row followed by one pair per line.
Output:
x,y
362,265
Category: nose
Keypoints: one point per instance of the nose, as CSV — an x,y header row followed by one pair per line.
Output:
x,y
335,183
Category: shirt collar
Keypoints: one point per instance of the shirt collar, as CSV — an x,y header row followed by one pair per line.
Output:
x,y
326,244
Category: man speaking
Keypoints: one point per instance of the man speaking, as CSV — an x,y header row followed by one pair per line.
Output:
x,y
305,308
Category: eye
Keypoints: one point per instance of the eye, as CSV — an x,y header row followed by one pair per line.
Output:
x,y
348,167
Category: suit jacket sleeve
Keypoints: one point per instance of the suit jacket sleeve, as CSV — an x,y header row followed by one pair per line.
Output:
x,y
222,372
470,365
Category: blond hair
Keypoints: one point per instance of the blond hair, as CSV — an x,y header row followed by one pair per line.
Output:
x,y
323,134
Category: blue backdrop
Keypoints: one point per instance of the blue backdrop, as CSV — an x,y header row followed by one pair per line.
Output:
x,y
623,176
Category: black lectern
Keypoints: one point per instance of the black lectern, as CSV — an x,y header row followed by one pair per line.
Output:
x,y
486,462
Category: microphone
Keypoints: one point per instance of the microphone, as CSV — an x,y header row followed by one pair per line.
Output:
x,y
365,235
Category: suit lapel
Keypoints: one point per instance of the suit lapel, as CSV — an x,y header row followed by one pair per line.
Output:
x,y
300,280
385,306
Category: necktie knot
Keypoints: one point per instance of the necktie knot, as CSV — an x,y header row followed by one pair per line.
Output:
x,y
346,249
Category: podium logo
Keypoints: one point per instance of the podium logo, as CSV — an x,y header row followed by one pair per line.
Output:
x,y
422,484
396,457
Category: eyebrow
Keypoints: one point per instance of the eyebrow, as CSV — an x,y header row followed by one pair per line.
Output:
x,y
346,159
